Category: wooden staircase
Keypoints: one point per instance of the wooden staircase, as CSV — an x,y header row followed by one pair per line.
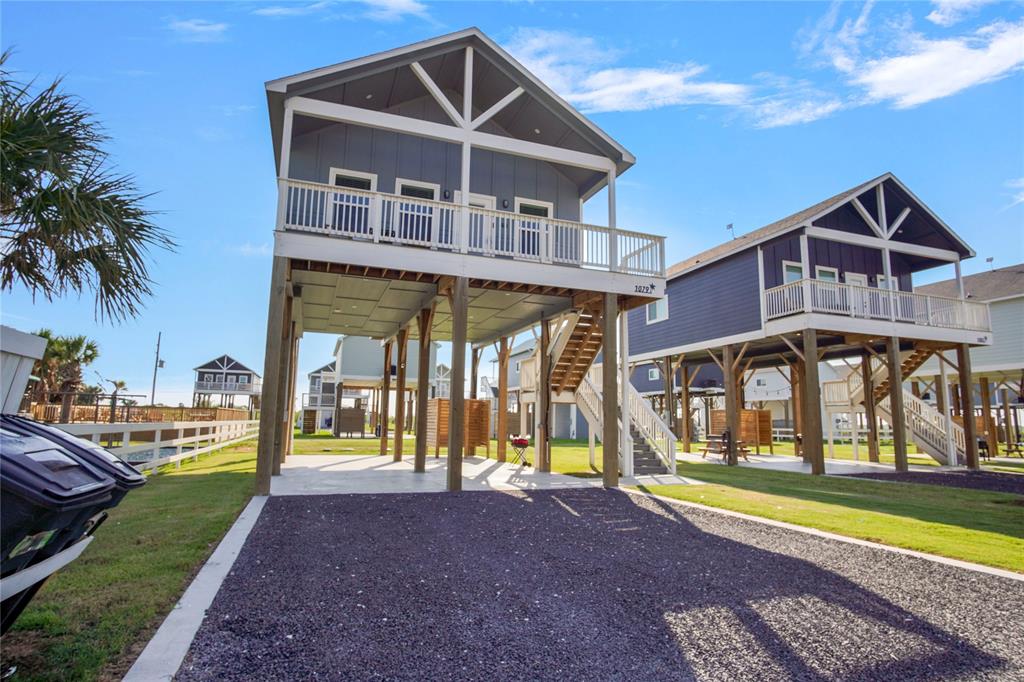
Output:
x,y
908,366
578,353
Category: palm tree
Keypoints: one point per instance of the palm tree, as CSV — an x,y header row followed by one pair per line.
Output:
x,y
88,395
70,354
67,223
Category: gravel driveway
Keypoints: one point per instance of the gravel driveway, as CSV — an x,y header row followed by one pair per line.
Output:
x,y
587,584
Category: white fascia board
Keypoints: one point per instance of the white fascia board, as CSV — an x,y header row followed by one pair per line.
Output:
x,y
844,324
355,252
875,242
438,131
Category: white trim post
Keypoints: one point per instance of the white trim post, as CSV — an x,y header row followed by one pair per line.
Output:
x,y
805,266
282,171
613,241
887,270
947,417
626,454
760,284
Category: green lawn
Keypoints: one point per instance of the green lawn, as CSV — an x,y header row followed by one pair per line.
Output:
x,y
986,528
92,619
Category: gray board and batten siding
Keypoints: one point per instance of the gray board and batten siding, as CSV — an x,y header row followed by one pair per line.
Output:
x,y
392,155
718,300
840,255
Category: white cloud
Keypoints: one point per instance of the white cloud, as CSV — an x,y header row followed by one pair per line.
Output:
x,y
198,30
931,69
949,12
394,10
584,73
791,102
376,10
232,110
1017,186
293,10
263,250
888,61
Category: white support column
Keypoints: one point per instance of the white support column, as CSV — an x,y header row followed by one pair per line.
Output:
x,y
959,280
624,386
467,151
805,267
613,240
467,89
760,284
855,433
831,435
948,416
591,444
887,271
282,170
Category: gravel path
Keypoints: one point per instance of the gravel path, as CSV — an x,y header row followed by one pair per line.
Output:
x,y
587,584
977,480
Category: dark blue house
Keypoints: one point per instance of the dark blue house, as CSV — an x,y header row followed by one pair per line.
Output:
x,y
834,280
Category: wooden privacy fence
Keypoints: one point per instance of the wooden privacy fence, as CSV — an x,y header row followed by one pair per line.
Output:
x,y
755,427
476,419
50,413
180,440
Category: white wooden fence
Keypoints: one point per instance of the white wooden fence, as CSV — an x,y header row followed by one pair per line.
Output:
x,y
189,439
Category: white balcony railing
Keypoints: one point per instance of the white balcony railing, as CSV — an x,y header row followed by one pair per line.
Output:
x,y
228,387
387,218
318,400
818,296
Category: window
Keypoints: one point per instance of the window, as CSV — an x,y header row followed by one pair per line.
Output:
x,y
232,378
341,177
207,377
534,207
517,366
657,311
653,374
243,379
414,189
826,274
759,382
791,272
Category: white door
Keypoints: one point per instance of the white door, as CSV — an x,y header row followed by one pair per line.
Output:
x,y
859,302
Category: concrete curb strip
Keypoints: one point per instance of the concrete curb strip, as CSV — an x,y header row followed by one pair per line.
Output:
x,y
165,652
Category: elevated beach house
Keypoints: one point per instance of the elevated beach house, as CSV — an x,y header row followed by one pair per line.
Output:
x,y
998,369
436,191
831,282
228,380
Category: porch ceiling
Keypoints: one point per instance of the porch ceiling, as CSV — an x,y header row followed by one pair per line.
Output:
x,y
371,306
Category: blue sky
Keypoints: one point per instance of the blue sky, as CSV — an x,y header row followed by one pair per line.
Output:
x,y
737,112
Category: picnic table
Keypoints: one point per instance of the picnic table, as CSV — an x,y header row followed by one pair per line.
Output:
x,y
715,445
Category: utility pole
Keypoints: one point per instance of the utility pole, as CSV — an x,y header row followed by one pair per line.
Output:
x,y
157,364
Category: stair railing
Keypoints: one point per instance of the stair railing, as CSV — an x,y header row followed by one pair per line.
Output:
x,y
652,428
